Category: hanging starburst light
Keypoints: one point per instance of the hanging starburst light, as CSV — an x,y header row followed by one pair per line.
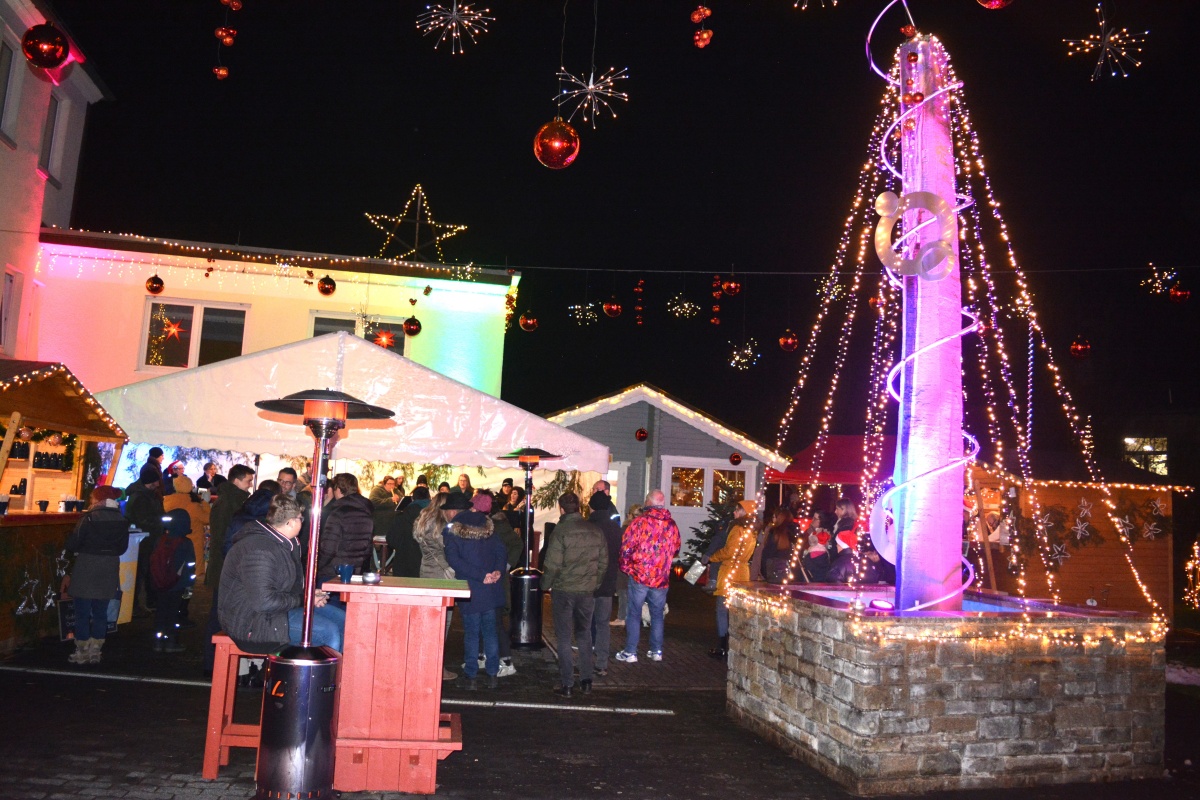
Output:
x,y
454,23
1114,48
584,314
682,308
744,356
589,96
1160,280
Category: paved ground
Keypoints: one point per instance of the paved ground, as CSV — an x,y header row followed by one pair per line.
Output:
x,y
92,733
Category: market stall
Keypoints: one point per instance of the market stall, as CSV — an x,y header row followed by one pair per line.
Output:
x,y
47,419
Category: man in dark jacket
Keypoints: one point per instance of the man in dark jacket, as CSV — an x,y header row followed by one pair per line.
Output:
x,y
346,528
406,559
231,494
262,588
477,556
178,557
606,517
144,508
576,562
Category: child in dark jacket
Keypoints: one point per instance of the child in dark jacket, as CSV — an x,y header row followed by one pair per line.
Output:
x,y
477,556
173,571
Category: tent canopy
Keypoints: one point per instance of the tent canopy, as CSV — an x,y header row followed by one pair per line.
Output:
x,y
842,462
438,420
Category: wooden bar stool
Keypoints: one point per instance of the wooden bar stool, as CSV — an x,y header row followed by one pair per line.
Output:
x,y
223,732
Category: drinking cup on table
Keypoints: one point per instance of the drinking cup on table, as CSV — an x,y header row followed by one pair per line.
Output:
x,y
345,572
43,505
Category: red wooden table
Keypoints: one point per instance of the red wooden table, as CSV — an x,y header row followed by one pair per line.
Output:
x,y
390,729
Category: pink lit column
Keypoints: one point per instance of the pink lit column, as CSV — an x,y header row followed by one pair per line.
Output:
x,y
929,515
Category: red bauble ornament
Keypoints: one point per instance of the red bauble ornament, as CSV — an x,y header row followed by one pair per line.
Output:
x,y
327,286
731,287
154,284
994,4
909,31
877,302
700,14
918,98
45,46
226,35
221,72
735,458
1081,348
1178,294
25,434
701,38
528,324
641,434
556,144
715,321
412,326
789,341
906,98
910,124
913,58
235,5
612,308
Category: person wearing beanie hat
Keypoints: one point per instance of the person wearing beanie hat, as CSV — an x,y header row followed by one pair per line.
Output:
x,y
172,571
186,498
99,539
477,556
734,559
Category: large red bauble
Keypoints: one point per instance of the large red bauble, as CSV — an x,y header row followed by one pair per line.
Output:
x,y
641,434
994,4
731,287
1179,294
412,326
528,324
154,284
556,144
1081,347
327,286
45,46
735,458
789,341
612,308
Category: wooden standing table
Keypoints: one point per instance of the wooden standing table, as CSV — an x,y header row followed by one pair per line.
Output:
x,y
390,729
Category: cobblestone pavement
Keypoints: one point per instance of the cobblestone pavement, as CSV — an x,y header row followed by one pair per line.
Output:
x,y
99,735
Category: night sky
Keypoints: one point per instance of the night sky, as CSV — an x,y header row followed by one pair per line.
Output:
x,y
742,156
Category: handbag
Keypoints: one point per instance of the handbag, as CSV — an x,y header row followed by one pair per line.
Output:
x,y
694,573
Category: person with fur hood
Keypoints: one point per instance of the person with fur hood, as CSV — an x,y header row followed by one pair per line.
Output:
x,y
734,559
477,556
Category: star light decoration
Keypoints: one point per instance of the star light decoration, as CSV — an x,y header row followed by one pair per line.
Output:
x,y
1125,526
744,356
420,216
1150,530
682,308
1059,553
590,96
456,23
171,330
1080,529
1158,508
1085,509
385,339
1115,49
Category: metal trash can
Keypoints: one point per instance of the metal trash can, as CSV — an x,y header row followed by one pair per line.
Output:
x,y
296,749
525,622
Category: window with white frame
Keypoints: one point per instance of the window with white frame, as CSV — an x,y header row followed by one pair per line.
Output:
x,y
695,484
387,332
46,154
7,62
180,334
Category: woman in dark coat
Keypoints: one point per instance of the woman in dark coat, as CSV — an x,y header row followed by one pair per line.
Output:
x,y
477,556
99,540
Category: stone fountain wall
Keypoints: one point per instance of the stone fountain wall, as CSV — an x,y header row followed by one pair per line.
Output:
x,y
881,706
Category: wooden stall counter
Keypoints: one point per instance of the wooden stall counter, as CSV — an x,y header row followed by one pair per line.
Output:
x,y
29,547
390,729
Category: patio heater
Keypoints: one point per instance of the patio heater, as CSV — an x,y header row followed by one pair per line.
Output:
x,y
295,751
526,619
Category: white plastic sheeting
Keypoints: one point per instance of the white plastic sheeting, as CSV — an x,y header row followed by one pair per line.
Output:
x,y
438,420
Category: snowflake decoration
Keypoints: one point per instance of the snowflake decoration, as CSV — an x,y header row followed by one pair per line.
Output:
x,y
584,314
1125,527
1157,508
1059,553
682,308
590,95
1150,531
456,23
744,356
1085,509
1044,522
1160,280
1113,48
1080,529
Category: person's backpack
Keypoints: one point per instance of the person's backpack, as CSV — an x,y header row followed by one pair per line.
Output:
x,y
163,576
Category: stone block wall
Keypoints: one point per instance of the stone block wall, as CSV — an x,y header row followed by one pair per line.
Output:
x,y
904,704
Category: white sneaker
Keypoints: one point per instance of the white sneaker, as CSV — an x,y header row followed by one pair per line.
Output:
x,y
617,622
654,655
626,658
506,668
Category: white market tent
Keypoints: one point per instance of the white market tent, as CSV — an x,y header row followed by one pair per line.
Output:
x,y
438,420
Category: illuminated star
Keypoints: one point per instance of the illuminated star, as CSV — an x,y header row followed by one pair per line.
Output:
x,y
1150,531
385,339
1085,509
173,329
435,232
456,23
1059,553
590,95
1113,48
1125,526
1080,529
1157,508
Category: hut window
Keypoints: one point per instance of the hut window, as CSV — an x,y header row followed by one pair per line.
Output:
x,y
687,487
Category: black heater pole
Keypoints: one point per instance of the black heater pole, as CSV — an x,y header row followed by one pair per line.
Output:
x,y
526,617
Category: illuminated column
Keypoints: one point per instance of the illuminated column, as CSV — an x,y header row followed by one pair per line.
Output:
x,y
929,515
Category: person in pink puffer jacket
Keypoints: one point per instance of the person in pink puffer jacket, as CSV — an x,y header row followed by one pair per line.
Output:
x,y
647,549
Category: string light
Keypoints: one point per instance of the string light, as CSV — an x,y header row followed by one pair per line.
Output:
x,y
390,225
95,410
1113,48
457,23
1191,595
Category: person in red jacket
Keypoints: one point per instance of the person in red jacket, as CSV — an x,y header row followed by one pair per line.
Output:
x,y
647,549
